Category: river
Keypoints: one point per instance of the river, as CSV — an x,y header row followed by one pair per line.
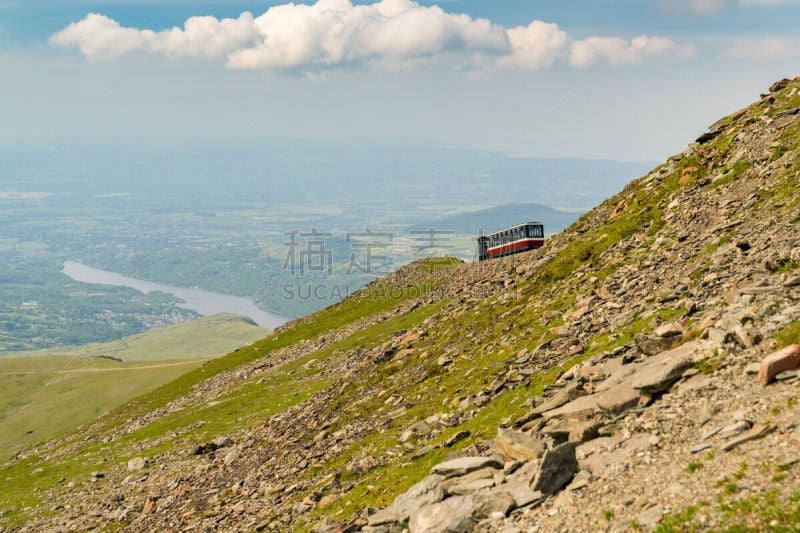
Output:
x,y
203,302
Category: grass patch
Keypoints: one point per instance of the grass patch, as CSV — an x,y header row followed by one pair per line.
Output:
x,y
789,335
46,396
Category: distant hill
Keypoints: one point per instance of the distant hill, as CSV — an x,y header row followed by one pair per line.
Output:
x,y
209,336
497,218
48,392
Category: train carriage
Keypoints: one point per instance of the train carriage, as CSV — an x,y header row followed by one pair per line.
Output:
x,y
513,240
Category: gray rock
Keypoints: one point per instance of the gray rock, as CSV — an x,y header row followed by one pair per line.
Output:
x,y
453,515
426,492
420,428
572,430
652,344
477,475
718,336
752,368
658,373
557,468
517,445
137,463
699,447
580,480
613,401
658,377
458,436
385,517
487,502
567,394
651,516
757,432
471,487
465,465
384,528
518,485
222,441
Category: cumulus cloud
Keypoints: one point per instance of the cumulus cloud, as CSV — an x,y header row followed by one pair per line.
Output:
x,y
535,46
99,37
619,52
336,32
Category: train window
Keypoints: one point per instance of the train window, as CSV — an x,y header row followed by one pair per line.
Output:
x,y
535,231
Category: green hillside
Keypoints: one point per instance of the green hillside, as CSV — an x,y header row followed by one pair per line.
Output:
x,y
48,392
46,396
209,336
339,413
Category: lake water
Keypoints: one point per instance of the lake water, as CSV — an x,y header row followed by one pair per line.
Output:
x,y
203,302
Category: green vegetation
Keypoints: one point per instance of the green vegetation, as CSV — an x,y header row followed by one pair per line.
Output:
x,y
386,365
59,390
789,335
708,366
210,336
740,473
40,307
46,396
680,521
244,405
773,510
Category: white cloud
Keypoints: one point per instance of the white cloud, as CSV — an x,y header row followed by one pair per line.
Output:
x,y
99,37
535,46
763,49
336,32
619,52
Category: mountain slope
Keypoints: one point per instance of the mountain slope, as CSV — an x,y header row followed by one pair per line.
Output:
x,y
346,409
48,392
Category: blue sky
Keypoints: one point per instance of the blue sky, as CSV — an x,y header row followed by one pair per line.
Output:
x,y
624,79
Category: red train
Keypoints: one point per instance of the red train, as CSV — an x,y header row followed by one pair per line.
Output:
x,y
511,240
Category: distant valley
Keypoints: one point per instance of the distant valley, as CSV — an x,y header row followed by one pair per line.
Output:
x,y
265,222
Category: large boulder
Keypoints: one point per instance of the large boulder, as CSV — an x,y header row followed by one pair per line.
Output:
x,y
558,467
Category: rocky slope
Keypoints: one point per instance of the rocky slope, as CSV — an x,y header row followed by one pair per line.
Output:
x,y
604,382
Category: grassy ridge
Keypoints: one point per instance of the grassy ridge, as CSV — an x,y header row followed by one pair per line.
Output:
x,y
49,392
46,396
210,336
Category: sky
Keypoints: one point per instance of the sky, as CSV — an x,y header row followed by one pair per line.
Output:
x,y
617,79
